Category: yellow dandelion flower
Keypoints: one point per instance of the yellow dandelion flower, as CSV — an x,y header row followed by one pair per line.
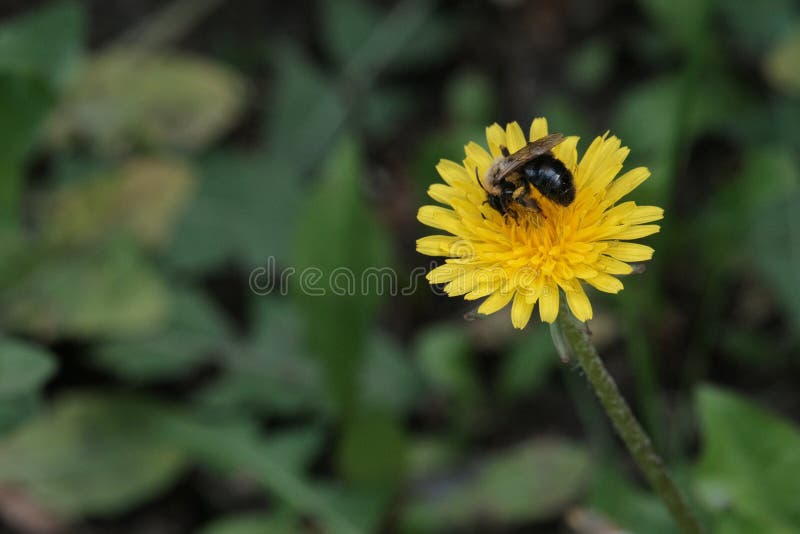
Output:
x,y
533,257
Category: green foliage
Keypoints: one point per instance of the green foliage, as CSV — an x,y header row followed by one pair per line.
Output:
x,y
271,371
120,294
54,59
528,364
443,359
775,242
24,368
193,332
129,98
781,64
340,239
139,188
108,447
253,523
741,444
498,489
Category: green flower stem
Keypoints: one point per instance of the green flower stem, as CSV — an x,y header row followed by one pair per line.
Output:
x,y
629,429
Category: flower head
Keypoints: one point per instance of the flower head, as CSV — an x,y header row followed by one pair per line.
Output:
x,y
529,256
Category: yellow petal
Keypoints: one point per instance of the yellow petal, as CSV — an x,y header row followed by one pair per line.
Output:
x,y
496,138
436,245
567,152
538,128
630,251
495,301
644,214
579,303
612,266
514,137
443,193
637,232
520,311
626,183
478,155
445,273
548,303
441,218
606,283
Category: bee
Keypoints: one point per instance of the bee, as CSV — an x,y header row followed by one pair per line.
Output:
x,y
509,179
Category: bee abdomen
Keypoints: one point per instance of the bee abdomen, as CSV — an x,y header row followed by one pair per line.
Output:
x,y
552,178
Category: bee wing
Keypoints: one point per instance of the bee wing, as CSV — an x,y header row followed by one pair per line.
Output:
x,y
533,149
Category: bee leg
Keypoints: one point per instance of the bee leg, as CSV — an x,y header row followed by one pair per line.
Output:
x,y
522,196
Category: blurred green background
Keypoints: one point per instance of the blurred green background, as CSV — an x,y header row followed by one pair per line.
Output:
x,y
153,154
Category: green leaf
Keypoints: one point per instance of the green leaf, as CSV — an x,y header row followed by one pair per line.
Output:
x,y
235,448
755,26
749,462
372,452
443,356
194,331
346,24
408,36
272,371
46,43
528,365
590,65
244,205
470,99
128,98
24,368
305,106
781,64
533,481
685,22
339,242
254,523
775,244
24,103
108,448
388,380
108,291
767,175
629,507
142,198
294,448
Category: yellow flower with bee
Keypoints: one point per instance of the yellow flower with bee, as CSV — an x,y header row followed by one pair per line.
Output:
x,y
507,242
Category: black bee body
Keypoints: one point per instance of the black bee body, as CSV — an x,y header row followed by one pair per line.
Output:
x,y
551,177
509,179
